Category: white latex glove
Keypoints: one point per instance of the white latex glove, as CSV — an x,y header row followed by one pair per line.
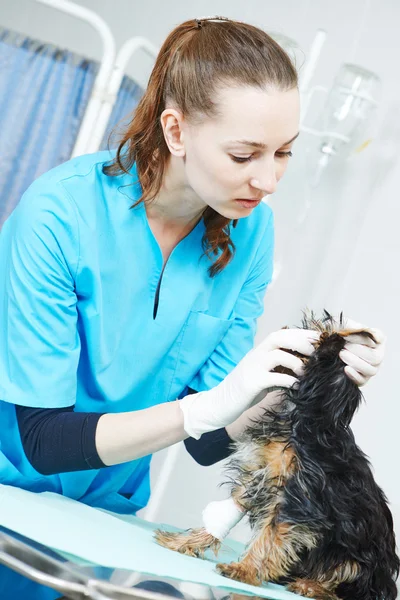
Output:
x,y
362,356
220,406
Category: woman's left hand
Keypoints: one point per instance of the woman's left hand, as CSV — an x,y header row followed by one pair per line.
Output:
x,y
362,355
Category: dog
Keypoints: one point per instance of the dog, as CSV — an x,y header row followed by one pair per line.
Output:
x,y
321,525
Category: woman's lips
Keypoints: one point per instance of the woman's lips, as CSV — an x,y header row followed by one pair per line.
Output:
x,y
248,202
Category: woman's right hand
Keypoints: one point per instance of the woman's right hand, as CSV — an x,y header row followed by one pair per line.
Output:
x,y
223,404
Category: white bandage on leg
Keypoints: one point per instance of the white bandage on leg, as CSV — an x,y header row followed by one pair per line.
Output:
x,y
221,516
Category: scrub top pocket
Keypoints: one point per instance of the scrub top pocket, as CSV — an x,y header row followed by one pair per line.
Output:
x,y
200,335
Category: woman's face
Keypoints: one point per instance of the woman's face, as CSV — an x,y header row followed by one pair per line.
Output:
x,y
243,152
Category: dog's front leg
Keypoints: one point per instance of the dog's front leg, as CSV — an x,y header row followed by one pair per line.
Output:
x,y
219,518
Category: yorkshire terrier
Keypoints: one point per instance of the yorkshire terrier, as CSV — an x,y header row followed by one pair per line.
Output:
x,y
321,525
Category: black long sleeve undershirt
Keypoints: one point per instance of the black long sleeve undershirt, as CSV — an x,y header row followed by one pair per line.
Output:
x,y
59,440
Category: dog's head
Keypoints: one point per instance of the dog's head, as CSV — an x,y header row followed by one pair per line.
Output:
x,y
325,393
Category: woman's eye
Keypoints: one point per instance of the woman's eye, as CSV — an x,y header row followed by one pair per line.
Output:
x,y
289,153
241,159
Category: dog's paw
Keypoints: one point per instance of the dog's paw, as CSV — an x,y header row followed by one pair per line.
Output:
x,y
239,572
192,543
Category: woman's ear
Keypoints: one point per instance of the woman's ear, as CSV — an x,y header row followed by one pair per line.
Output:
x,y
171,123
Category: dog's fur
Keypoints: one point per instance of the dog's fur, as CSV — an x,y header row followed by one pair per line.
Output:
x,y
321,524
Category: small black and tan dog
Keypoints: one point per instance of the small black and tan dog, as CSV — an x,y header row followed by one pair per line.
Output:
x,y
321,525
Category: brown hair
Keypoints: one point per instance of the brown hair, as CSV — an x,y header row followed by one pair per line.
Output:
x,y
196,58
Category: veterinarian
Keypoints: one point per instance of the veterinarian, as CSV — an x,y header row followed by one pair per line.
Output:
x,y
131,281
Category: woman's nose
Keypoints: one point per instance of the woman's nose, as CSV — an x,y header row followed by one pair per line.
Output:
x,y
265,178
265,182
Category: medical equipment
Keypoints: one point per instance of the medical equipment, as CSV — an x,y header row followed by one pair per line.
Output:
x,y
343,125
39,563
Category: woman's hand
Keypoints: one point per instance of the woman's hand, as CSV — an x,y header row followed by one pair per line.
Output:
x,y
362,355
222,405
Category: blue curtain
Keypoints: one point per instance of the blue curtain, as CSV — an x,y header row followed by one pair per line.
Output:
x,y
43,95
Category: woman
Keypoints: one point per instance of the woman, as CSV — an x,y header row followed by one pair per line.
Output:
x,y
132,281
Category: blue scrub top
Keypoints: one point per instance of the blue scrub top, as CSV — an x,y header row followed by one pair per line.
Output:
x,y
79,272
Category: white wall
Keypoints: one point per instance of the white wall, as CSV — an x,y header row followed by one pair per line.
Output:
x,y
346,254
